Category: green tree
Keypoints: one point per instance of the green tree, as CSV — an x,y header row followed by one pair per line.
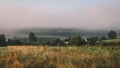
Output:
x,y
93,40
32,38
14,42
18,42
103,38
112,35
75,40
10,42
59,42
2,40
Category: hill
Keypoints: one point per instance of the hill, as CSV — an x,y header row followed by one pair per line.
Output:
x,y
56,32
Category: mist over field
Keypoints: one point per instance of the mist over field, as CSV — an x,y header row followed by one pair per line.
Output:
x,y
59,18
59,33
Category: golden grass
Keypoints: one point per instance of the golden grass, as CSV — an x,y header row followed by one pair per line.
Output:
x,y
59,57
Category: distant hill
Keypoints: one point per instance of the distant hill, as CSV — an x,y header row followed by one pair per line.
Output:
x,y
57,32
65,32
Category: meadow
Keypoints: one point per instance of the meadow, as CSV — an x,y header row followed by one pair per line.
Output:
x,y
60,57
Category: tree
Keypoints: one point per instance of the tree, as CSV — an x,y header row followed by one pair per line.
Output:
x,y
75,40
103,38
93,40
14,42
59,42
10,42
112,35
2,40
32,38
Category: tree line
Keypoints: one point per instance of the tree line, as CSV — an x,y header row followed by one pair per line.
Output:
x,y
73,40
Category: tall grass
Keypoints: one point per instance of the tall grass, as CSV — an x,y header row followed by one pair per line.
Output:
x,y
60,57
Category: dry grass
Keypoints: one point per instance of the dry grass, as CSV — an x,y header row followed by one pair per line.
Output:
x,y
62,57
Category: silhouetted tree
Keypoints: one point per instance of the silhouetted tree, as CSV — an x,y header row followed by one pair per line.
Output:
x,y
112,35
83,42
46,42
32,38
10,42
14,42
93,40
18,42
103,38
59,42
2,40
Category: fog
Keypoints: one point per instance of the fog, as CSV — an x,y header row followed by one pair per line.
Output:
x,y
86,16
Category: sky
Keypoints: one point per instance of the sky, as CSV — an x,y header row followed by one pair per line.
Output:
x,y
82,14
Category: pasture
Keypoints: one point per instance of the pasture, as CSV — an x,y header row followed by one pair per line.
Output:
x,y
112,40
60,57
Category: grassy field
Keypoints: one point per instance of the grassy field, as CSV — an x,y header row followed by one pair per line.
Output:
x,y
60,57
112,40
